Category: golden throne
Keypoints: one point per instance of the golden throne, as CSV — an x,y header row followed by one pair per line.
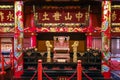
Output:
x,y
61,49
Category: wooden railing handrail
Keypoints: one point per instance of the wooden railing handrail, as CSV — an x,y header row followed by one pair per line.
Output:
x,y
12,60
79,70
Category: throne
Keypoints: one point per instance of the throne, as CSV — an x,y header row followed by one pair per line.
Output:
x,y
61,49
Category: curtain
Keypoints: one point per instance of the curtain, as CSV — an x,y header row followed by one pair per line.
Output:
x,y
115,47
97,43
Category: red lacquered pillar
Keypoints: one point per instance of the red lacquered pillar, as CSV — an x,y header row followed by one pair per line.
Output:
x,y
89,40
106,36
33,30
89,32
19,20
33,39
19,33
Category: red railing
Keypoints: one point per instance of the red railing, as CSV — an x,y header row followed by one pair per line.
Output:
x,y
88,77
4,62
79,70
33,76
12,60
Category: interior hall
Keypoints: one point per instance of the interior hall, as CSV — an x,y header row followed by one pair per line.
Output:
x,y
59,39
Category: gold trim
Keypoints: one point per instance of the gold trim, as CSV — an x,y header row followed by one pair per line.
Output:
x,y
36,16
115,24
116,6
115,31
61,29
6,24
61,24
6,6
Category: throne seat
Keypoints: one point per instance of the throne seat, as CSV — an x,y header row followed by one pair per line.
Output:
x,y
61,57
61,49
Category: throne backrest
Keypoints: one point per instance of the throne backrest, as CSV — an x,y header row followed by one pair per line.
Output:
x,y
61,41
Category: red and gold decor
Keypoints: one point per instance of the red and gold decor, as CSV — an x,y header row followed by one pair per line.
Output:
x,y
6,18
6,15
33,38
106,35
61,29
115,18
89,40
18,37
59,19
89,31
115,14
62,16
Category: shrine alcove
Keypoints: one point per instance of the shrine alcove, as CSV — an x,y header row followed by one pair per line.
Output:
x,y
42,37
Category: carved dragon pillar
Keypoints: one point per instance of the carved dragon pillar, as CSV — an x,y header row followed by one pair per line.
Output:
x,y
18,37
106,36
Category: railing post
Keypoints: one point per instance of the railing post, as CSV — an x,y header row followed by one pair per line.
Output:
x,y
39,69
12,58
2,61
79,70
